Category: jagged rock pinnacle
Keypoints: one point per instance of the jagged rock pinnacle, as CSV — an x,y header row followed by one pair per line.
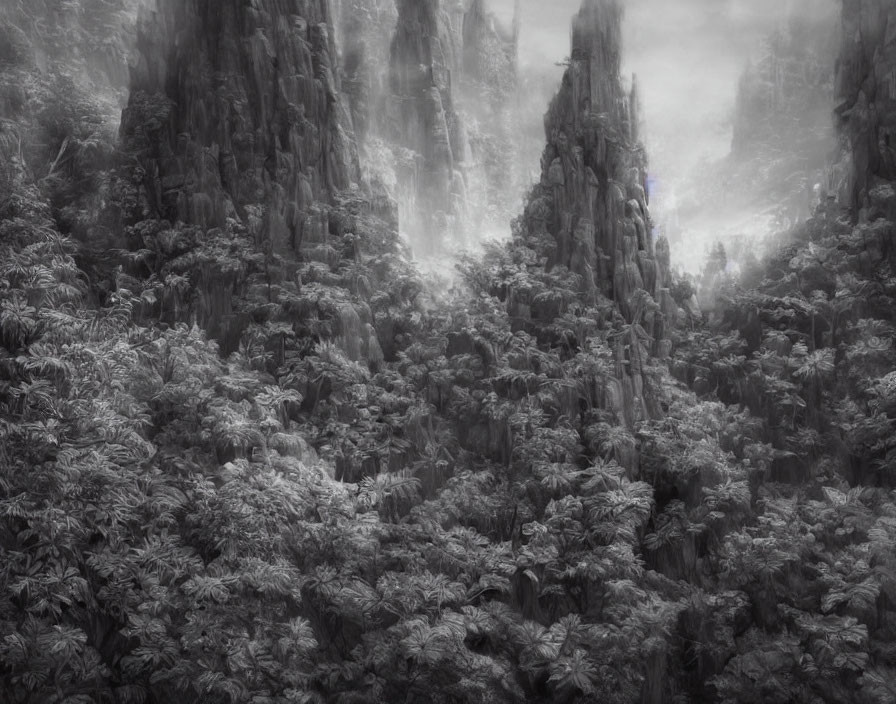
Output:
x,y
592,199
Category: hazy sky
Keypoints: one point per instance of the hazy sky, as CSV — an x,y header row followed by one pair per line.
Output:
x,y
688,55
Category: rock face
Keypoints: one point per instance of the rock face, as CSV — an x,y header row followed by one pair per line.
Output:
x,y
592,200
254,128
866,83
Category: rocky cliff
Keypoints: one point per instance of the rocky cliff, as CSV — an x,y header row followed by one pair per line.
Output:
x,y
243,177
592,203
866,83
249,124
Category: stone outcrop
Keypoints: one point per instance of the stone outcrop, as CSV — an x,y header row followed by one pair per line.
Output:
x,y
866,84
255,129
592,200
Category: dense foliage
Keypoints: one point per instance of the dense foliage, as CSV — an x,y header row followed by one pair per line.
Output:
x,y
218,484
803,345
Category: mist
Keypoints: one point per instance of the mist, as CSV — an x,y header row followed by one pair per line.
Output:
x,y
688,56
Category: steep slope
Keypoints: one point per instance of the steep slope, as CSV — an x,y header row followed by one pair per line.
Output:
x,y
501,162
484,39
365,29
593,171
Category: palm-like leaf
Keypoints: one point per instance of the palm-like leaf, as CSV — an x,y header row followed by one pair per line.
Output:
x,y
574,672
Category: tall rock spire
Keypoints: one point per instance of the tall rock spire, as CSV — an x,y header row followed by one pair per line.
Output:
x,y
593,171
591,201
253,127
